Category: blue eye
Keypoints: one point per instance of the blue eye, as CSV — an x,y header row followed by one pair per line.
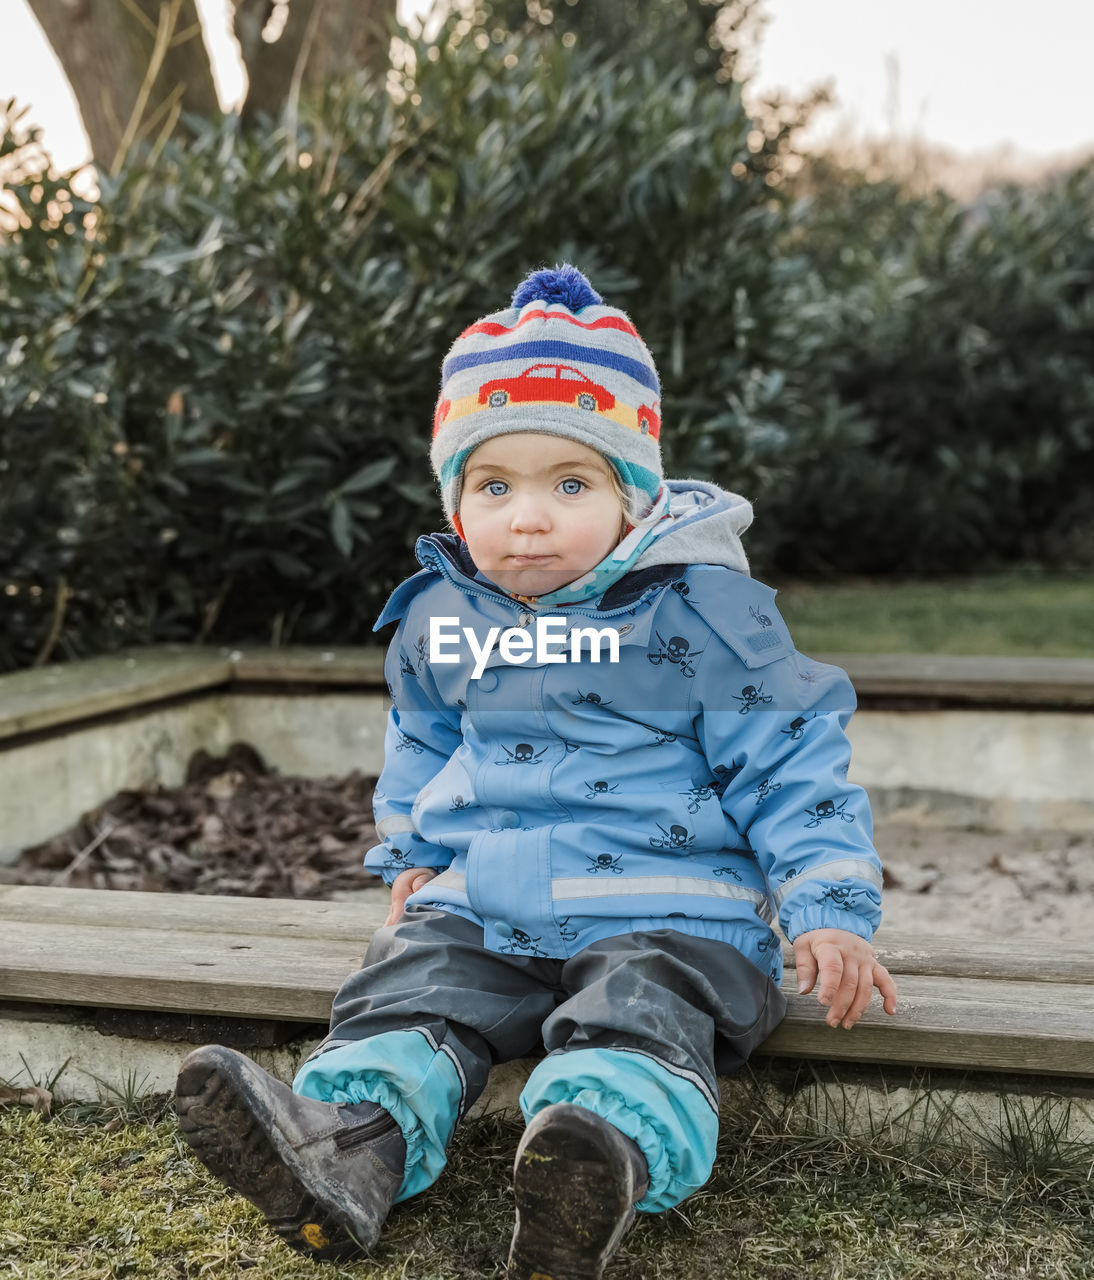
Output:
x,y
578,485
497,488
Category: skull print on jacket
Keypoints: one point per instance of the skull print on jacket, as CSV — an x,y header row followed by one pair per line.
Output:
x,y
569,801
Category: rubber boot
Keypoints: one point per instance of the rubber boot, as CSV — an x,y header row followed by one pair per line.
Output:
x,y
324,1175
576,1181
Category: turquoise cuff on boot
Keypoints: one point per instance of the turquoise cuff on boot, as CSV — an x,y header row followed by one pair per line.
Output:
x,y
407,1074
673,1120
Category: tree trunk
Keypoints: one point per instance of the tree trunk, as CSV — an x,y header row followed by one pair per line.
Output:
x,y
326,37
133,65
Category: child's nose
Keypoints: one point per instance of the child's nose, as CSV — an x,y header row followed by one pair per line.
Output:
x,y
529,514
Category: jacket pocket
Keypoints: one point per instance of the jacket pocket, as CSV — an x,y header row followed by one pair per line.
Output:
x,y
691,820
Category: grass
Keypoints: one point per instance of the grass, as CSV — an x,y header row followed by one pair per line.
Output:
x,y
1015,614
99,1193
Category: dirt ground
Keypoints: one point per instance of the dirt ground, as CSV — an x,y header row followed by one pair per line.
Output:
x,y
235,827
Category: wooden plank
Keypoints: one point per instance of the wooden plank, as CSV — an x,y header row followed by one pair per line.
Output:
x,y
52,696
1018,681
1041,682
58,695
1003,958
986,1026
904,953
202,967
192,913
268,977
360,666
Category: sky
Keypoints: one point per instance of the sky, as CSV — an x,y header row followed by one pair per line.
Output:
x,y
971,77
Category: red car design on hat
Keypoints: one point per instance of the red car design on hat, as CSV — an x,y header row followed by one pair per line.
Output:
x,y
440,413
649,419
554,383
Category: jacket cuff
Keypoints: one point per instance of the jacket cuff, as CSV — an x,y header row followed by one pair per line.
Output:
x,y
387,862
813,917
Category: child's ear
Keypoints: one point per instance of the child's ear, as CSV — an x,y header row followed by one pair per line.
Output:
x,y
457,526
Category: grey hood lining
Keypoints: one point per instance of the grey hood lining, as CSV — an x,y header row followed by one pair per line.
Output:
x,y
706,529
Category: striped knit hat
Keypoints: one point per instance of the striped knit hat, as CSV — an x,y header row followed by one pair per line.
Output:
x,y
560,363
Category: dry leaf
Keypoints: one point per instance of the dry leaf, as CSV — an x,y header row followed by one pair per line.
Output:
x,y
32,1096
224,785
232,828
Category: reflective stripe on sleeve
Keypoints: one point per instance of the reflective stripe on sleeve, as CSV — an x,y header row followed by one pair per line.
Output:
x,y
393,825
841,869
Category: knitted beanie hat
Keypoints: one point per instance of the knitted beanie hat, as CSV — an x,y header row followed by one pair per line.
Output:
x,y
560,363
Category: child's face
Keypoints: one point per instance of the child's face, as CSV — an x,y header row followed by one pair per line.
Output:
x,y
538,511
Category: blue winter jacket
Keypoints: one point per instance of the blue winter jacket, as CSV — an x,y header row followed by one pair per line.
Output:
x,y
698,783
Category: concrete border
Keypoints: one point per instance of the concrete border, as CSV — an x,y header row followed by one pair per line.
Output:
x,y
891,1106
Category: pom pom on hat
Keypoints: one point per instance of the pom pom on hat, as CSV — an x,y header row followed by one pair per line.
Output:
x,y
565,285
569,366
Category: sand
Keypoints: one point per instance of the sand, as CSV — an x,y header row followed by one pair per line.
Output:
x,y
956,881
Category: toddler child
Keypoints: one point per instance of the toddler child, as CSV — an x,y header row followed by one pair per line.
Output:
x,y
607,772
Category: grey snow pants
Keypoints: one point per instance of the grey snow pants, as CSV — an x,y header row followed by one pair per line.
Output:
x,y
636,1026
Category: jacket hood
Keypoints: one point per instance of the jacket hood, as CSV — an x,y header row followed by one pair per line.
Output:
x,y
706,527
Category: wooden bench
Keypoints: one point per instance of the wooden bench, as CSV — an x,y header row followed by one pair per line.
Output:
x,y
984,1005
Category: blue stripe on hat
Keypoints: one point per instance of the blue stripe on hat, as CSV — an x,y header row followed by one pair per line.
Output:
x,y
547,349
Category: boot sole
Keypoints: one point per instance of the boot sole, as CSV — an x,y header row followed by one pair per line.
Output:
x,y
226,1136
574,1197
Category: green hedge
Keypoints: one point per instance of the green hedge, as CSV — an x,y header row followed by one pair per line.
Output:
x,y
962,336
217,380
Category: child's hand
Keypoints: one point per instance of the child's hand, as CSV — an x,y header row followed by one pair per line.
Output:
x,y
849,972
404,884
